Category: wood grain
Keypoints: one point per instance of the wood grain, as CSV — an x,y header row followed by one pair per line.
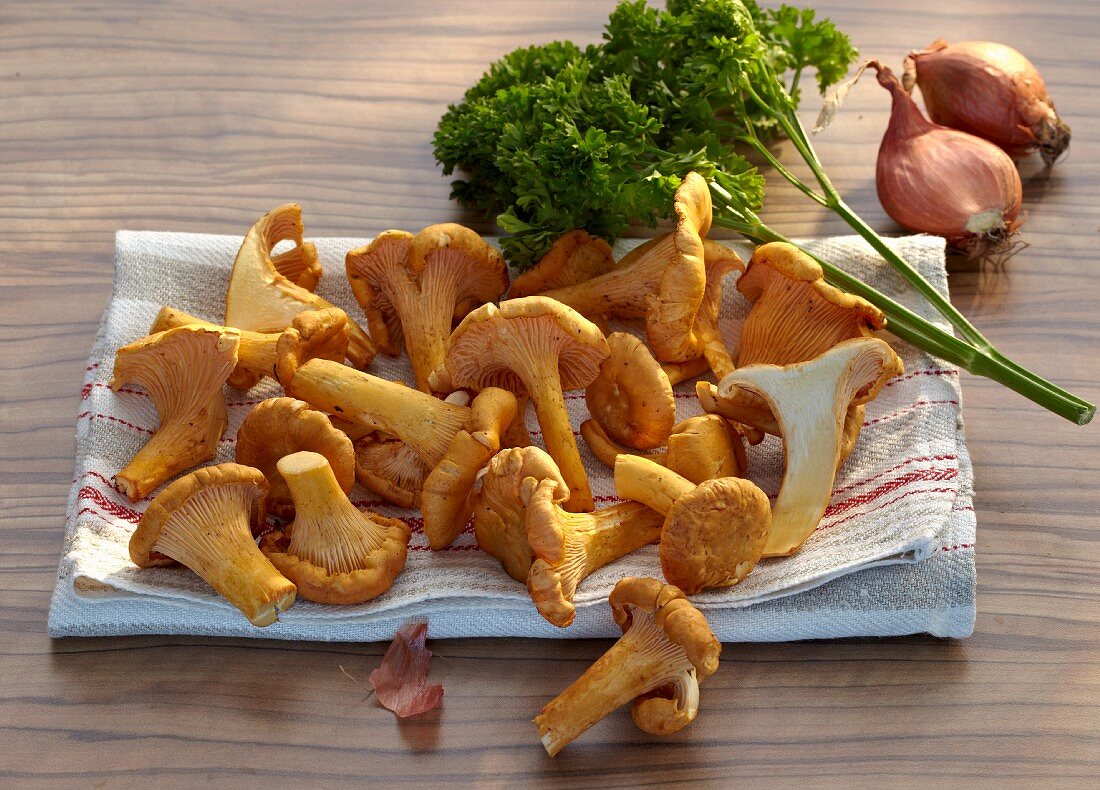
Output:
x,y
199,116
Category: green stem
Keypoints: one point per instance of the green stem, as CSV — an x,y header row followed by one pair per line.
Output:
x,y
914,329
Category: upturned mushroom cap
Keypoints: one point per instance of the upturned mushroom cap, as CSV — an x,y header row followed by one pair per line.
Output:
x,y
335,553
682,624
810,401
714,532
367,269
574,258
499,509
262,299
539,347
203,521
666,649
631,398
278,427
253,344
183,370
796,315
391,469
316,333
568,547
424,283
448,489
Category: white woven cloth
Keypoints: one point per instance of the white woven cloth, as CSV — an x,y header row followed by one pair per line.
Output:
x,y
893,554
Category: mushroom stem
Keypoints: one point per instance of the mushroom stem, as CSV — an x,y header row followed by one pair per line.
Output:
x,y
557,432
172,449
641,661
642,480
324,516
424,423
679,372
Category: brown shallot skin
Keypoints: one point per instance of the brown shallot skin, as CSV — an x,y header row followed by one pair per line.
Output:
x,y
941,181
989,90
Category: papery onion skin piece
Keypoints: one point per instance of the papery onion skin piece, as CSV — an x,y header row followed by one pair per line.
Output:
x,y
401,682
932,179
989,90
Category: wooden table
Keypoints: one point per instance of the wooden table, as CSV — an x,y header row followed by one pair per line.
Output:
x,y
199,117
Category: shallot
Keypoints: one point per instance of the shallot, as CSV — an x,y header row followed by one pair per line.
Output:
x,y
932,179
991,91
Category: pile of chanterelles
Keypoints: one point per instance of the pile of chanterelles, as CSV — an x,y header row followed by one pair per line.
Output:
x,y
453,442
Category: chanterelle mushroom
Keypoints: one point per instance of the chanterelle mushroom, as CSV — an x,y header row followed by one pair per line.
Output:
x,y
318,333
720,261
278,427
424,283
796,316
262,299
714,532
426,424
203,521
390,468
810,401
183,370
574,258
667,649
500,505
448,489
570,546
540,347
631,398
334,552
699,448
662,281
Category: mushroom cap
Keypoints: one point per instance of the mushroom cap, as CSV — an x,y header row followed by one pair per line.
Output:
x,y
278,427
706,447
491,342
671,313
186,495
367,268
631,398
449,245
798,316
714,535
499,509
682,623
574,258
391,469
316,584
314,334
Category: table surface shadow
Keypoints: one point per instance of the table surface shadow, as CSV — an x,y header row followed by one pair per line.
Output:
x,y
195,116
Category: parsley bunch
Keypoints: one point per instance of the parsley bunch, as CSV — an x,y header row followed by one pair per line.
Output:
x,y
556,137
